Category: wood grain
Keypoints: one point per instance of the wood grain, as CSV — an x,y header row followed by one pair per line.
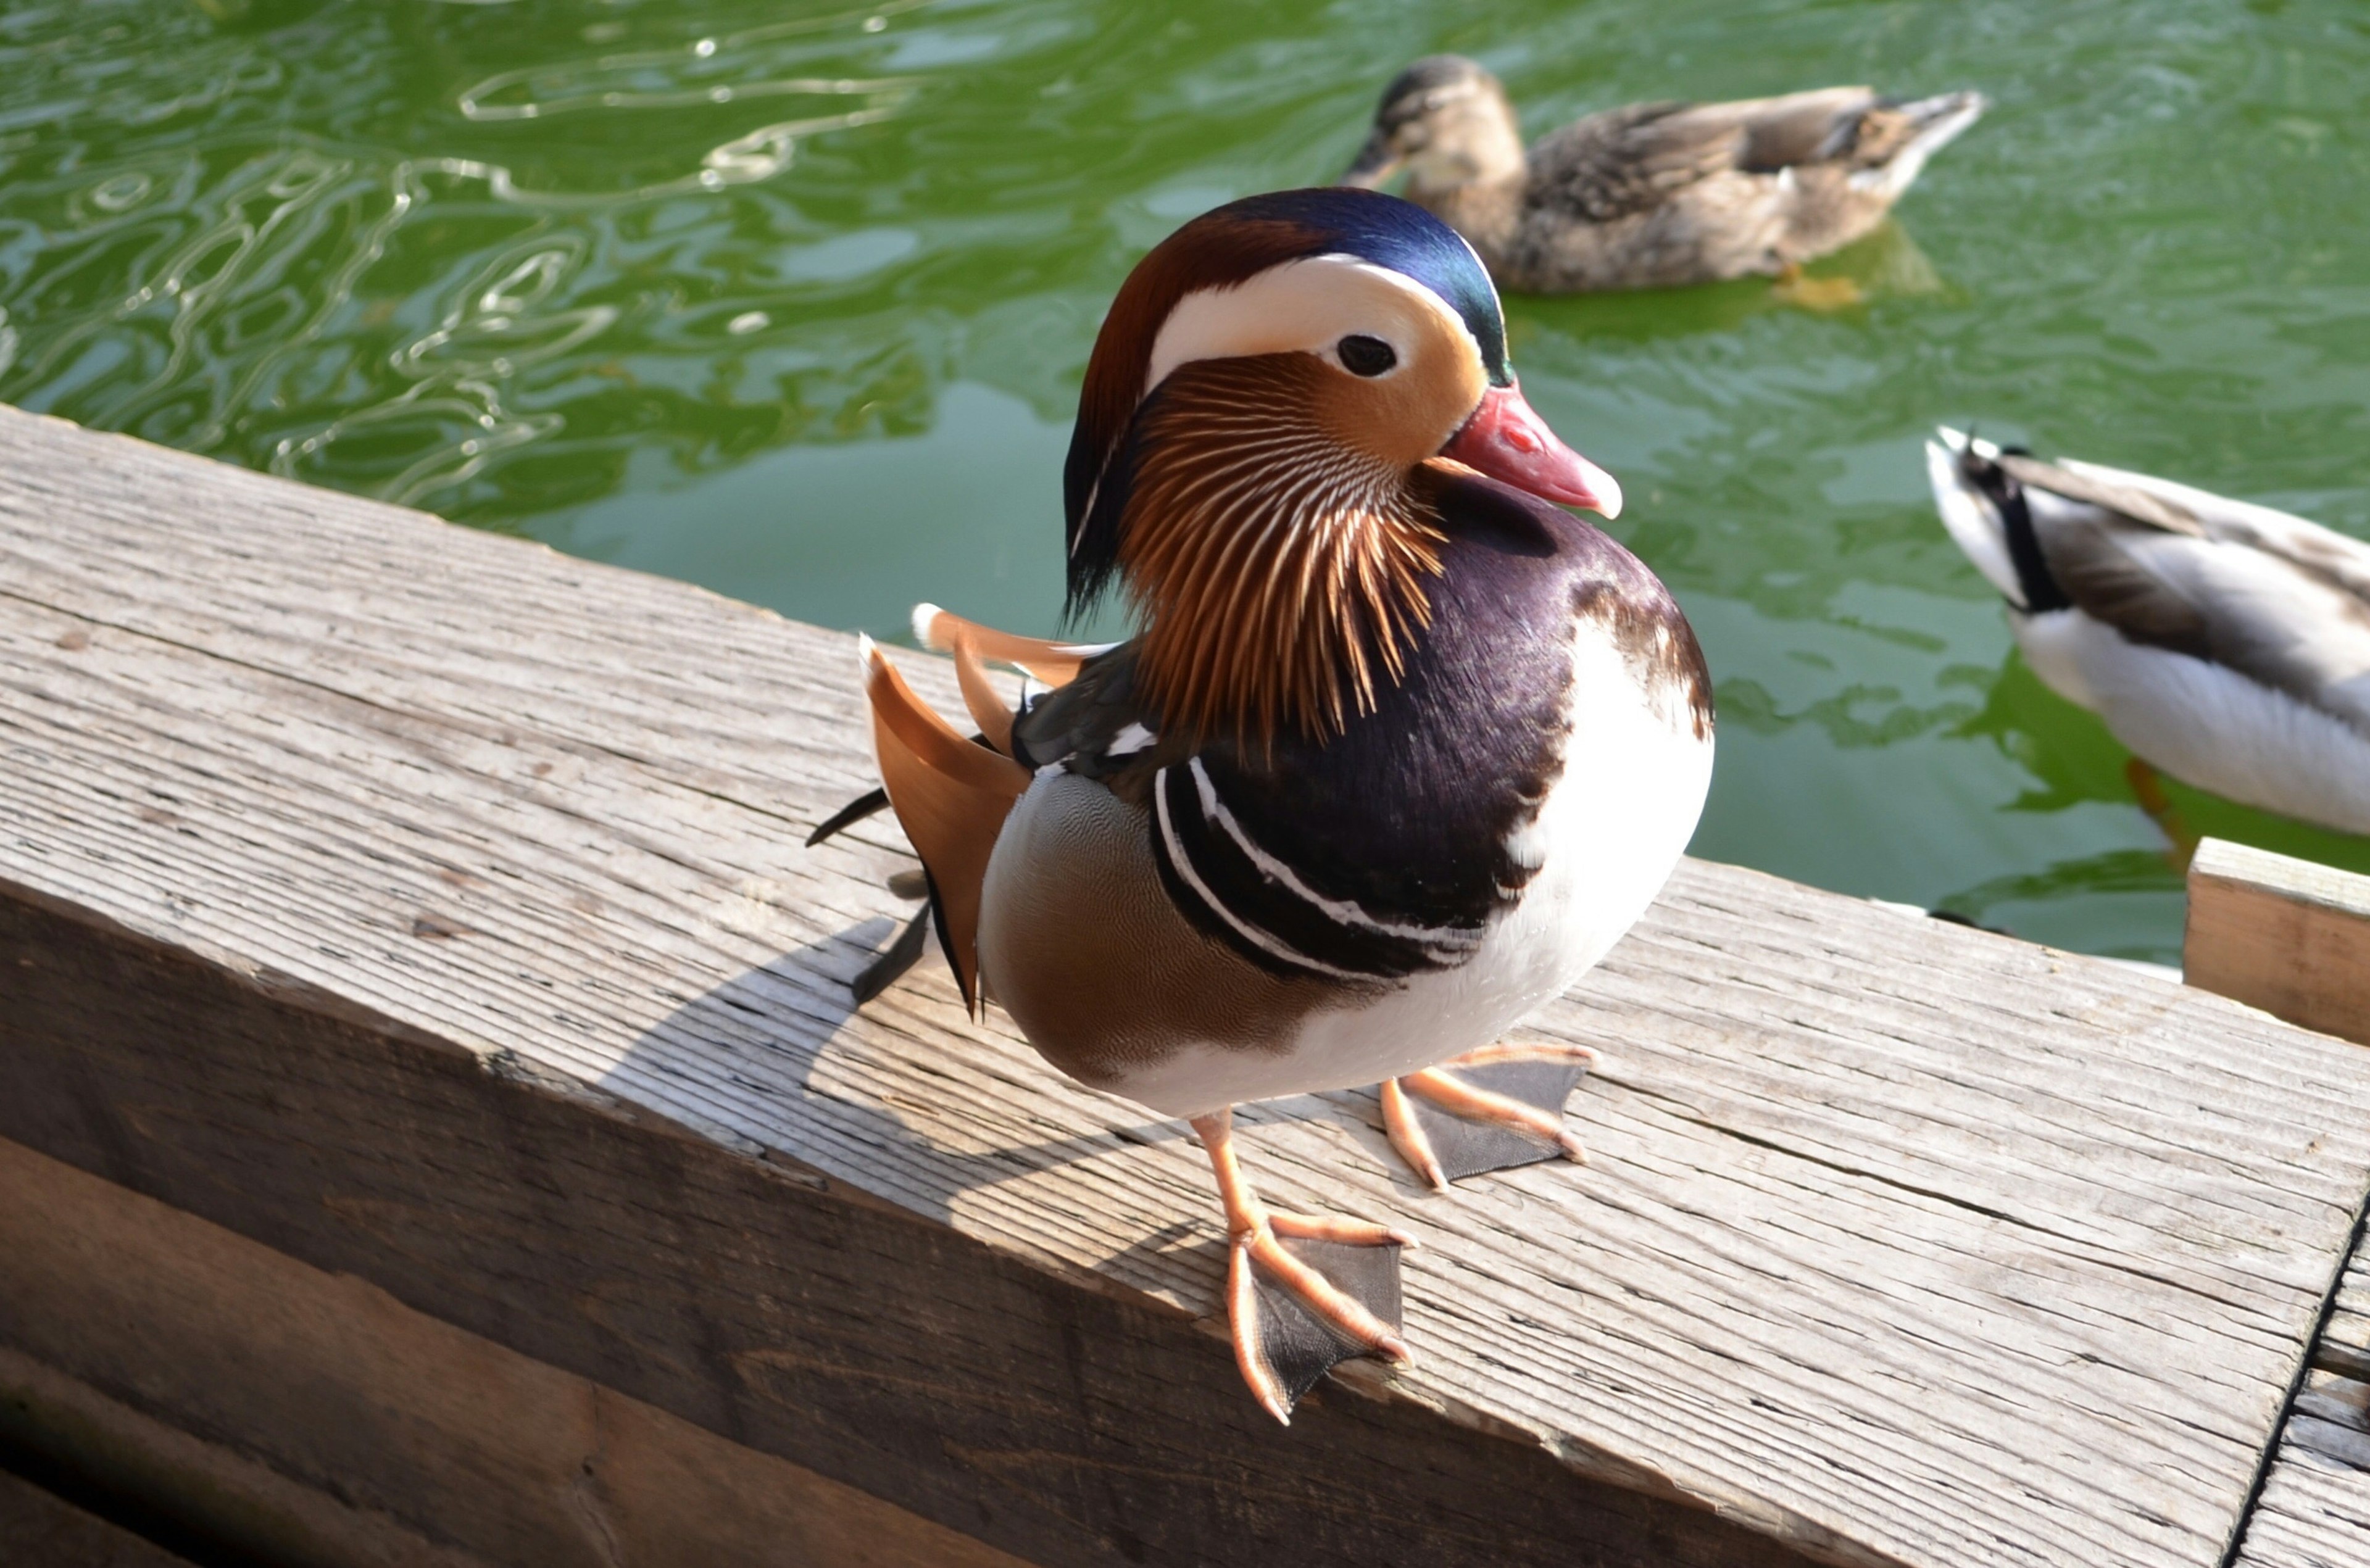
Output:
x,y
2290,936
343,1427
38,1528
2293,937
431,908
2315,1508
773,1305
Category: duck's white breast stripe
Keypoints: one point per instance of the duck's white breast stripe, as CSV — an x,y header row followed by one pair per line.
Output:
x,y
1341,911
1192,878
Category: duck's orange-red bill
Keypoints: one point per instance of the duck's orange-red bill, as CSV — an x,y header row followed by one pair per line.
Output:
x,y
1508,440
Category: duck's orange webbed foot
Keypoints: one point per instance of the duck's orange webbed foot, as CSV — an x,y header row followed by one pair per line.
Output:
x,y
1487,1110
1824,295
1304,1292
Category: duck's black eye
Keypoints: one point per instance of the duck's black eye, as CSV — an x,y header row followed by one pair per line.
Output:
x,y
1362,355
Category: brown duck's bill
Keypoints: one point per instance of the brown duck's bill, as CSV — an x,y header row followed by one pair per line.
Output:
x,y
1507,440
1376,163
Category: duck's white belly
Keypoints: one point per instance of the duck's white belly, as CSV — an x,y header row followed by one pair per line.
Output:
x,y
1605,840
2207,726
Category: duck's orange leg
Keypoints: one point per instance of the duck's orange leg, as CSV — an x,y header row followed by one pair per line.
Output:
x,y
2148,787
1825,295
1290,1321
1488,1109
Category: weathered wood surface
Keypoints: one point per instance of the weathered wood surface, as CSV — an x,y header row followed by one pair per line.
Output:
x,y
2315,1508
2290,936
431,908
40,1530
2293,937
308,1418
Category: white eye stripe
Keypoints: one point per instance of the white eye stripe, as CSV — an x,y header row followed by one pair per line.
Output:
x,y
1307,305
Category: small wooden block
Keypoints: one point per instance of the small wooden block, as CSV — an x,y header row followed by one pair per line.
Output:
x,y
2287,935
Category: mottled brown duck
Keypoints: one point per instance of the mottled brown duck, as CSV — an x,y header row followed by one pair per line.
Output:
x,y
1652,195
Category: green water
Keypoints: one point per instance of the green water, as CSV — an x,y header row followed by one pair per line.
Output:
x,y
793,303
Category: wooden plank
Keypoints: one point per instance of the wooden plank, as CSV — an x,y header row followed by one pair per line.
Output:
x,y
431,908
2344,1346
2293,937
2287,935
758,1297
40,1528
2315,1513
341,1426
2315,1507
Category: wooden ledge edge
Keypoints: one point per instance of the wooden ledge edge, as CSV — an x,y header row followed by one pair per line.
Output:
x,y
1783,1529
2289,936
1368,1379
2297,880
220,468
509,1067
1813,1540
272,984
385,1435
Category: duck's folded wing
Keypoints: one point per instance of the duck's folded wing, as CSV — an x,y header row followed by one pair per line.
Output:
x,y
1850,128
2344,560
1793,130
2182,588
951,796
1096,724
2105,488
1631,160
1050,663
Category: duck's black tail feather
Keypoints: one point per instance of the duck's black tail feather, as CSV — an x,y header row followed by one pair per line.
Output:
x,y
847,815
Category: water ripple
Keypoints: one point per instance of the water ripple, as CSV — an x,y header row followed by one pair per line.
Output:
x,y
792,299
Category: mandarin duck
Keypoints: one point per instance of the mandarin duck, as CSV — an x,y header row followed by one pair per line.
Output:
x,y
1652,195
1400,747
2223,641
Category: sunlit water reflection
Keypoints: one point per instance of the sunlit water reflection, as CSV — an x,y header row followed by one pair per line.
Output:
x,y
792,301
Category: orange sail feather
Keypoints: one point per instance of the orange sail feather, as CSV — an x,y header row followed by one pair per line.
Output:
x,y
1054,664
952,797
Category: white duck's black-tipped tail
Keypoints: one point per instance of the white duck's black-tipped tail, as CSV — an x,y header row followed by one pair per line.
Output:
x,y
1972,516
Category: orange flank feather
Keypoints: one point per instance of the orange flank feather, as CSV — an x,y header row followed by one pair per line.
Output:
x,y
951,797
1051,663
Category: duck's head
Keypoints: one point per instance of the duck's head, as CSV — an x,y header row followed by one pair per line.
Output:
x,y
1448,123
1278,389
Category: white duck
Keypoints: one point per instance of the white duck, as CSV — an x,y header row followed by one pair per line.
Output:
x,y
2223,641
